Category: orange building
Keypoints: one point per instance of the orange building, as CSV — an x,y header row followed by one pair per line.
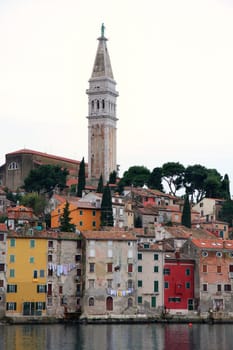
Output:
x,y
84,215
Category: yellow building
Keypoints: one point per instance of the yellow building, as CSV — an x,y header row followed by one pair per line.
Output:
x,y
26,274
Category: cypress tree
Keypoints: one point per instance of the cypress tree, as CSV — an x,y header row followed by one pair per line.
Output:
x,y
106,217
81,178
112,177
186,214
226,188
65,220
100,187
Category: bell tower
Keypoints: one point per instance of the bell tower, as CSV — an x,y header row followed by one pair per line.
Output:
x,y
102,119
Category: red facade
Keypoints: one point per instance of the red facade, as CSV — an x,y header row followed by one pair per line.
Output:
x,y
179,284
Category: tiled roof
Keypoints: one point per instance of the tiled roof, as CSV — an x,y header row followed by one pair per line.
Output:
x,y
184,232
44,235
29,151
214,244
3,227
109,235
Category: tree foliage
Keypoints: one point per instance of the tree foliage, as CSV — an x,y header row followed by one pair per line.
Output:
x,y
186,214
100,187
81,178
155,179
113,177
106,217
45,179
35,201
135,176
226,213
173,174
65,220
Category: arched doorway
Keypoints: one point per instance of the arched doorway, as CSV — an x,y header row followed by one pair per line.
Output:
x,y
109,304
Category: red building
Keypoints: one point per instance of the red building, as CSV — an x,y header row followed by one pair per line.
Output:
x,y
178,283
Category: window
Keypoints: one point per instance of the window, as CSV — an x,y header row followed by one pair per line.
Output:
x,y
153,301
219,287
204,268
109,253
32,243
187,285
130,284
146,245
79,272
139,256
109,267
139,268
12,242
42,273
139,300
80,223
156,269
219,268
93,223
50,258
205,287
40,305
2,267
91,283
166,285
1,235
77,258
50,272
187,272
41,288
109,283
156,256
35,274
139,283
11,306
91,301
13,166
12,288
1,283
156,286
12,272
92,267
80,212
174,300
227,287
31,259
12,258
50,244
130,267
93,213
166,271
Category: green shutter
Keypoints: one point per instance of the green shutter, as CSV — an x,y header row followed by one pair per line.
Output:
x,y
156,286
153,301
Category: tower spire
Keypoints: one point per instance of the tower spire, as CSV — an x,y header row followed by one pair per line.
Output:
x,y
102,119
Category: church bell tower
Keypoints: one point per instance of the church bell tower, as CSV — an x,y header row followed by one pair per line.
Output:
x,y
102,119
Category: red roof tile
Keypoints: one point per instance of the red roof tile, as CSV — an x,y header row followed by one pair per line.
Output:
x,y
109,235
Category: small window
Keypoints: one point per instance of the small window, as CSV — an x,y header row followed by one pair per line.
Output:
x,y
80,212
219,287
32,243
35,274
109,283
166,271
109,267
50,258
187,285
80,223
12,258
227,287
166,285
91,283
93,213
139,283
156,256
92,267
11,306
156,286
41,288
139,299
2,267
31,260
156,268
219,269
50,244
139,256
1,236
11,288
205,287
12,242
187,272
12,272
93,223
77,258
204,268
139,268
42,274
91,301
130,267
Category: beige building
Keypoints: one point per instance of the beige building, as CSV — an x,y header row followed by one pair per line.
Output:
x,y
150,283
3,250
110,273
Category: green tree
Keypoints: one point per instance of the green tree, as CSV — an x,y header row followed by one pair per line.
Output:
x,y
100,187
155,179
173,174
65,220
136,176
35,201
213,184
106,216
226,213
13,197
45,179
113,177
194,178
186,214
81,178
226,188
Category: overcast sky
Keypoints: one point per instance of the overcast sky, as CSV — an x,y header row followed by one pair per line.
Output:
x,y
172,61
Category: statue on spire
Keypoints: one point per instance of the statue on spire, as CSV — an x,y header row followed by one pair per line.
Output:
x,y
102,30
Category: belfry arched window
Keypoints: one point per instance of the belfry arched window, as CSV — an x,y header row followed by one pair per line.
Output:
x,y
13,166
